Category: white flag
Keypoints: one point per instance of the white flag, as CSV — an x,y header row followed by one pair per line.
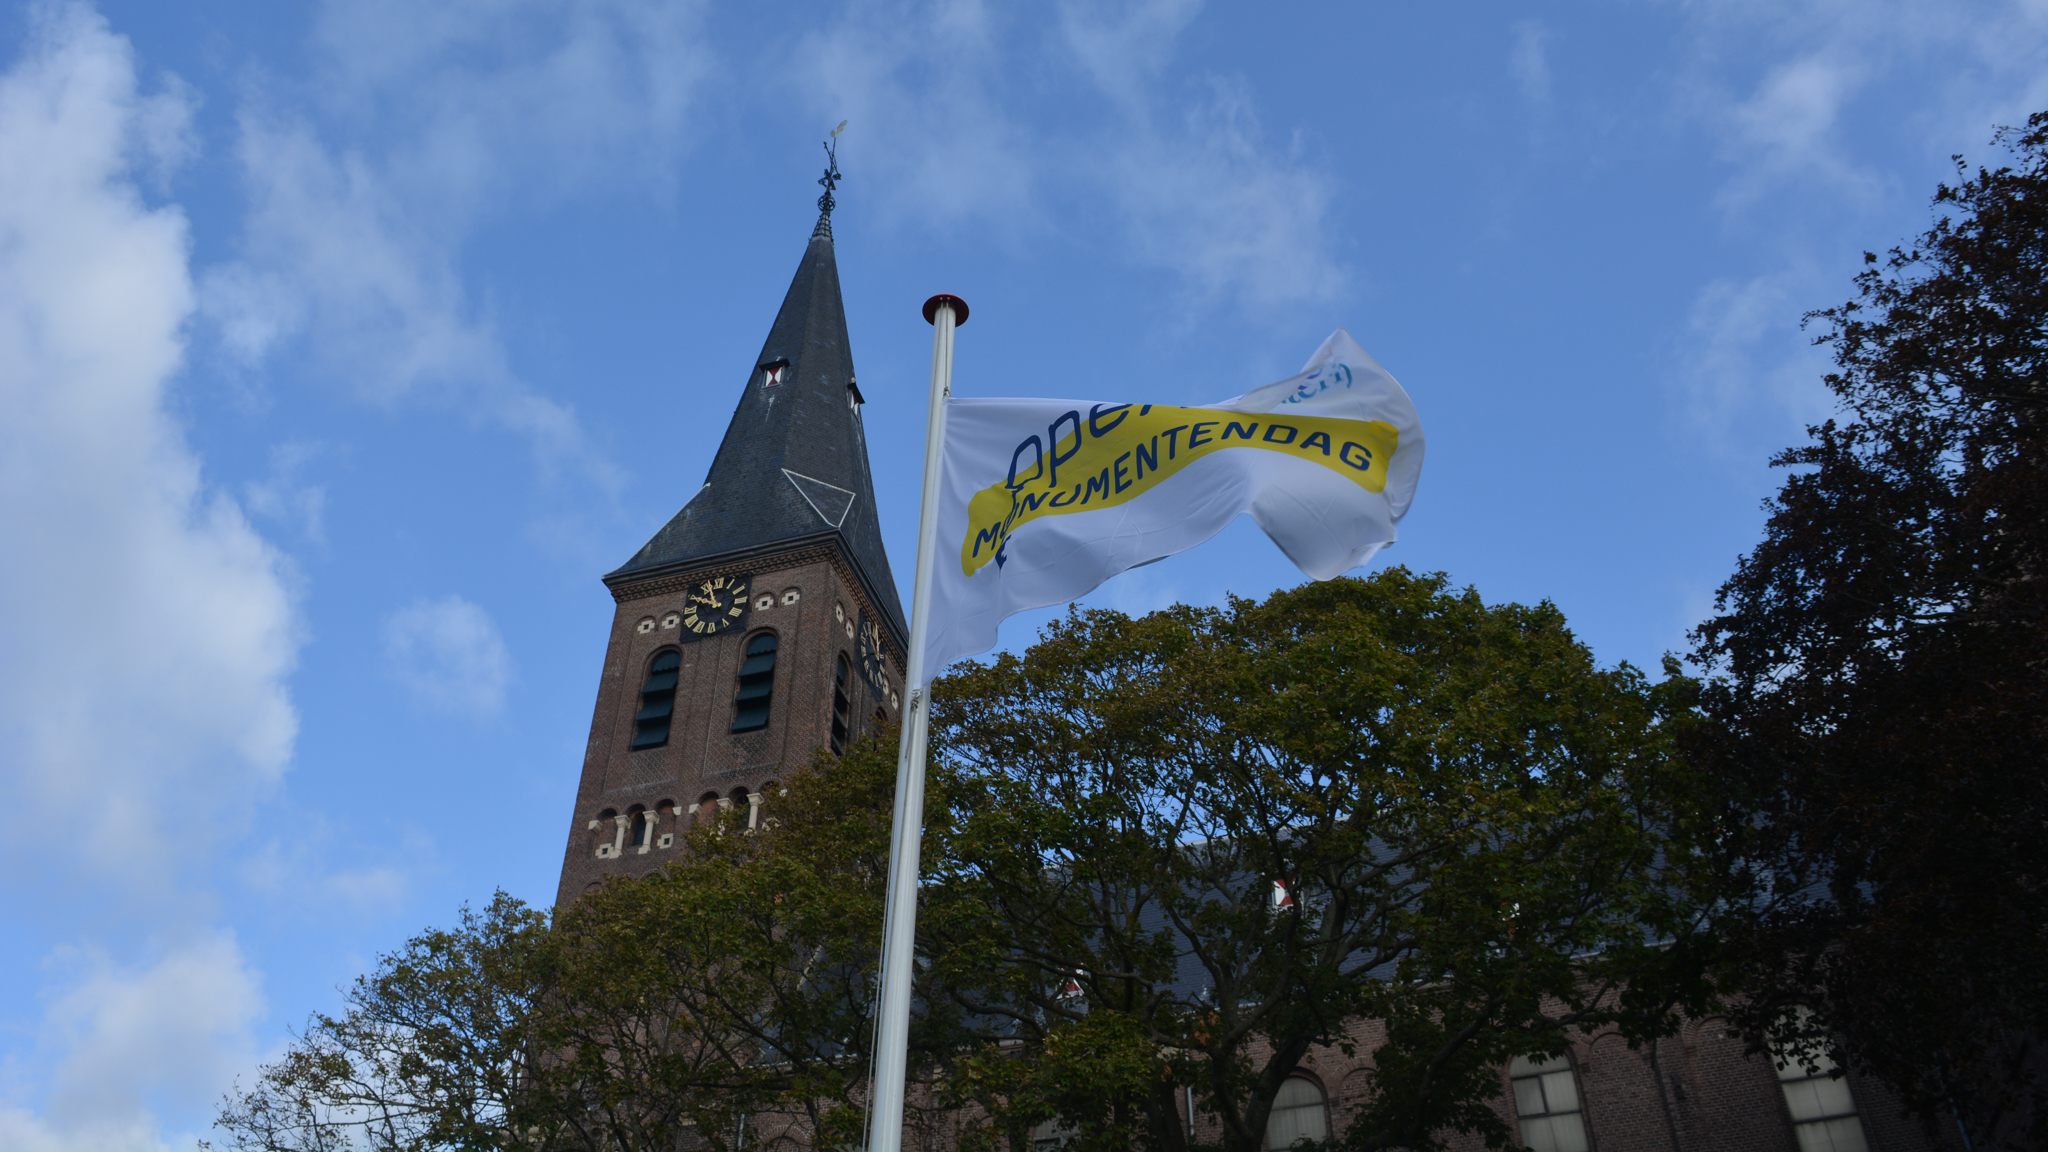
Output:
x,y
1040,501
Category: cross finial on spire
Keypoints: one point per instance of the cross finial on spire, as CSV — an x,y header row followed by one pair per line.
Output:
x,y
830,180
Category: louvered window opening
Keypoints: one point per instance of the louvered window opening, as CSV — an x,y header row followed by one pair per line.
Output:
x,y
657,701
841,707
1547,1104
757,685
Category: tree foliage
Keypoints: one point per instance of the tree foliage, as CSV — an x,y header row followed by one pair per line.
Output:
x,y
734,982
432,1050
1483,840
1882,663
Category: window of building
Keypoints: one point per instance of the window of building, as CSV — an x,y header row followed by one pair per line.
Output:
x,y
1053,1135
1547,1103
657,701
706,808
840,707
1823,1113
640,827
1298,1113
603,831
757,685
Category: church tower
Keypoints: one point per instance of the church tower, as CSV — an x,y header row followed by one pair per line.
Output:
x,y
761,622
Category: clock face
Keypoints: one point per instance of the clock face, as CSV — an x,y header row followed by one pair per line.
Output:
x,y
874,656
716,605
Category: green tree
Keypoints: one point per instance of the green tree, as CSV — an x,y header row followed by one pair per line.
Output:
x,y
432,1050
736,981
1485,842
1882,669
733,983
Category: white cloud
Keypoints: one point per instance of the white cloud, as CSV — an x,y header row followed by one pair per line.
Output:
x,y
146,630
1785,130
421,124
448,653
1175,171
330,253
121,1039
24,1131
282,496
1744,352
919,84
296,869
1827,116
1124,46
1777,82
1529,61
1213,202
178,1027
480,103
116,1042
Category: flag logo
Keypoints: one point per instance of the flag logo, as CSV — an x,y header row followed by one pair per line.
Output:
x,y
1116,455
1046,498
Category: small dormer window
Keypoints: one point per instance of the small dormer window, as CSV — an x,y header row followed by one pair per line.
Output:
x,y
771,372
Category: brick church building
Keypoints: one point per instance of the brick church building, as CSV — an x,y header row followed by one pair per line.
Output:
x,y
762,622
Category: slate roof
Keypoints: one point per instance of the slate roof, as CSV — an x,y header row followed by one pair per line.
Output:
x,y
792,470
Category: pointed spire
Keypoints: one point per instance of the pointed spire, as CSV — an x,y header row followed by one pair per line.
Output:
x,y
792,470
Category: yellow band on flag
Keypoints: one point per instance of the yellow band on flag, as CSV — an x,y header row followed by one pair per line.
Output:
x,y
1114,455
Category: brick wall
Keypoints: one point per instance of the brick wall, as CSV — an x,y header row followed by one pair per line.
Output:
x,y
703,756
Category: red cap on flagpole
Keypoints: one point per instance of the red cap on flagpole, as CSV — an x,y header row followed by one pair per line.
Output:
x,y
931,309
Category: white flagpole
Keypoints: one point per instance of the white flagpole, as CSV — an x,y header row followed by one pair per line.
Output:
x,y
899,931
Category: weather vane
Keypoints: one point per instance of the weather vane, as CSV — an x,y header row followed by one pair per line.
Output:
x,y
830,180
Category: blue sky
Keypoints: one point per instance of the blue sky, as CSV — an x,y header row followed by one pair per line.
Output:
x,y
344,344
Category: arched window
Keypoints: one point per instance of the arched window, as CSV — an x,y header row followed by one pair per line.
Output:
x,y
1547,1103
706,808
1054,1135
602,833
1823,1113
757,685
742,802
657,701
840,707
1298,1112
638,836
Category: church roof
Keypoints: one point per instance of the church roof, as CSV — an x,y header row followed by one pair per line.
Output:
x,y
792,470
